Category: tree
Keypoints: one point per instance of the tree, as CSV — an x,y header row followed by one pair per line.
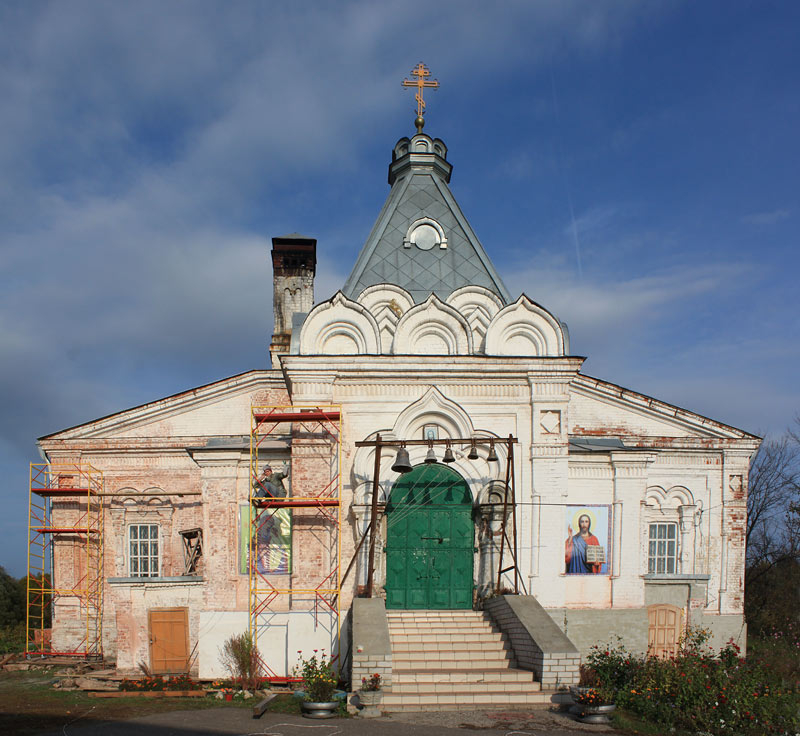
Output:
x,y
772,576
12,600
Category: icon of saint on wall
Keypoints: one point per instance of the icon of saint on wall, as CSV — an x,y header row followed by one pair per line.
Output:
x,y
584,548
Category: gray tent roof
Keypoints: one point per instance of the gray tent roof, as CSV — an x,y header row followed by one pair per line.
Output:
x,y
419,191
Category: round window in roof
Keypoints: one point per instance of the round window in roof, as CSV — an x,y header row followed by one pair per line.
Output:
x,y
426,234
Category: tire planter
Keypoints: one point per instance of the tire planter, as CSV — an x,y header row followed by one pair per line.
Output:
x,y
563,700
596,714
320,710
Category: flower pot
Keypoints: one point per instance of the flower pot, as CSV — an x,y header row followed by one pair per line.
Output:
x,y
593,713
228,696
319,710
370,697
370,701
563,699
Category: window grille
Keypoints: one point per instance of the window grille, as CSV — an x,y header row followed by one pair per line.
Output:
x,y
143,558
662,556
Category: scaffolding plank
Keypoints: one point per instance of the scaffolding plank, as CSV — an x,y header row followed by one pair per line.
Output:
x,y
300,503
298,416
53,491
66,530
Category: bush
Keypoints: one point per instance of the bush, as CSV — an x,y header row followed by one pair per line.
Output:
x,y
12,638
699,690
240,656
779,651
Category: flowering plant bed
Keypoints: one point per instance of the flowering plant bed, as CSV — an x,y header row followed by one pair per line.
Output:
x,y
699,689
157,683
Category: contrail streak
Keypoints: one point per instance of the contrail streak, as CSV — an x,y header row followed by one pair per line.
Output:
x,y
562,171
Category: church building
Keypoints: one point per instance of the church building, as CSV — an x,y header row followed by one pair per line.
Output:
x,y
423,458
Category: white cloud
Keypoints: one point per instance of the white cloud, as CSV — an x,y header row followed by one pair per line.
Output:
x,y
767,218
605,305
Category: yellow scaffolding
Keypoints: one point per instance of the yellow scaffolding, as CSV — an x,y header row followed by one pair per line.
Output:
x,y
317,428
65,513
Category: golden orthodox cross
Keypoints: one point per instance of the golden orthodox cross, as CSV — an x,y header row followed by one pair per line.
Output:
x,y
421,72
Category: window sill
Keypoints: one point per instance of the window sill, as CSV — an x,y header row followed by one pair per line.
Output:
x,y
665,579
156,581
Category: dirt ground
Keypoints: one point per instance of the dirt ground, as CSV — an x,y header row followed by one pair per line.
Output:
x,y
29,705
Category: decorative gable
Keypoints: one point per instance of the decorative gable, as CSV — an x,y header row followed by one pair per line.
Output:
x,y
525,328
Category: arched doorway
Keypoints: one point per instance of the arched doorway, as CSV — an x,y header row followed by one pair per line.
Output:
x,y
429,540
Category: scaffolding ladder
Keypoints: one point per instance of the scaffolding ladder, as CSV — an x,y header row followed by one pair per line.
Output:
x,y
315,442
65,514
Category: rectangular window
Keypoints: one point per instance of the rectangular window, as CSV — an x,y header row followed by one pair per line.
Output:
x,y
143,558
662,554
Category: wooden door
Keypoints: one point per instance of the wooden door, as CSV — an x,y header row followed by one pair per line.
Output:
x,y
429,544
663,636
169,640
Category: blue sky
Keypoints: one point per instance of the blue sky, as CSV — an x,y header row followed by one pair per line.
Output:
x,y
632,166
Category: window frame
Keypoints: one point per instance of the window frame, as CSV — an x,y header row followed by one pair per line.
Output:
x,y
149,556
654,555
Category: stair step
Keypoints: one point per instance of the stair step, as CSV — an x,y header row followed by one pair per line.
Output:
x,y
443,655
478,656
449,664
467,624
451,676
441,630
445,688
484,637
448,646
433,613
455,700
420,651
441,623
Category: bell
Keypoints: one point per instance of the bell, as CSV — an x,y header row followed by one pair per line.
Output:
x,y
473,452
401,463
492,456
430,458
449,457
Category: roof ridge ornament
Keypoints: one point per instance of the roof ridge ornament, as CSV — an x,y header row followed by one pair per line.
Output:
x,y
421,72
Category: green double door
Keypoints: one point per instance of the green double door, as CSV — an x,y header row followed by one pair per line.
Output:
x,y
429,540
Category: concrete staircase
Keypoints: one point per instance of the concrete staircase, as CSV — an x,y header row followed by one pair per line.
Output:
x,y
445,660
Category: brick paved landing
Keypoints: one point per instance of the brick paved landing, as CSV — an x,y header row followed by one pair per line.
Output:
x,y
445,660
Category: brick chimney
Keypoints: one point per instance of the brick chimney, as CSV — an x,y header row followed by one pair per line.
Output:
x,y
294,263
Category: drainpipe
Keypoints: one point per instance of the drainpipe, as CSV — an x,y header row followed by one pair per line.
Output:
x,y
536,523
723,562
536,498
617,556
